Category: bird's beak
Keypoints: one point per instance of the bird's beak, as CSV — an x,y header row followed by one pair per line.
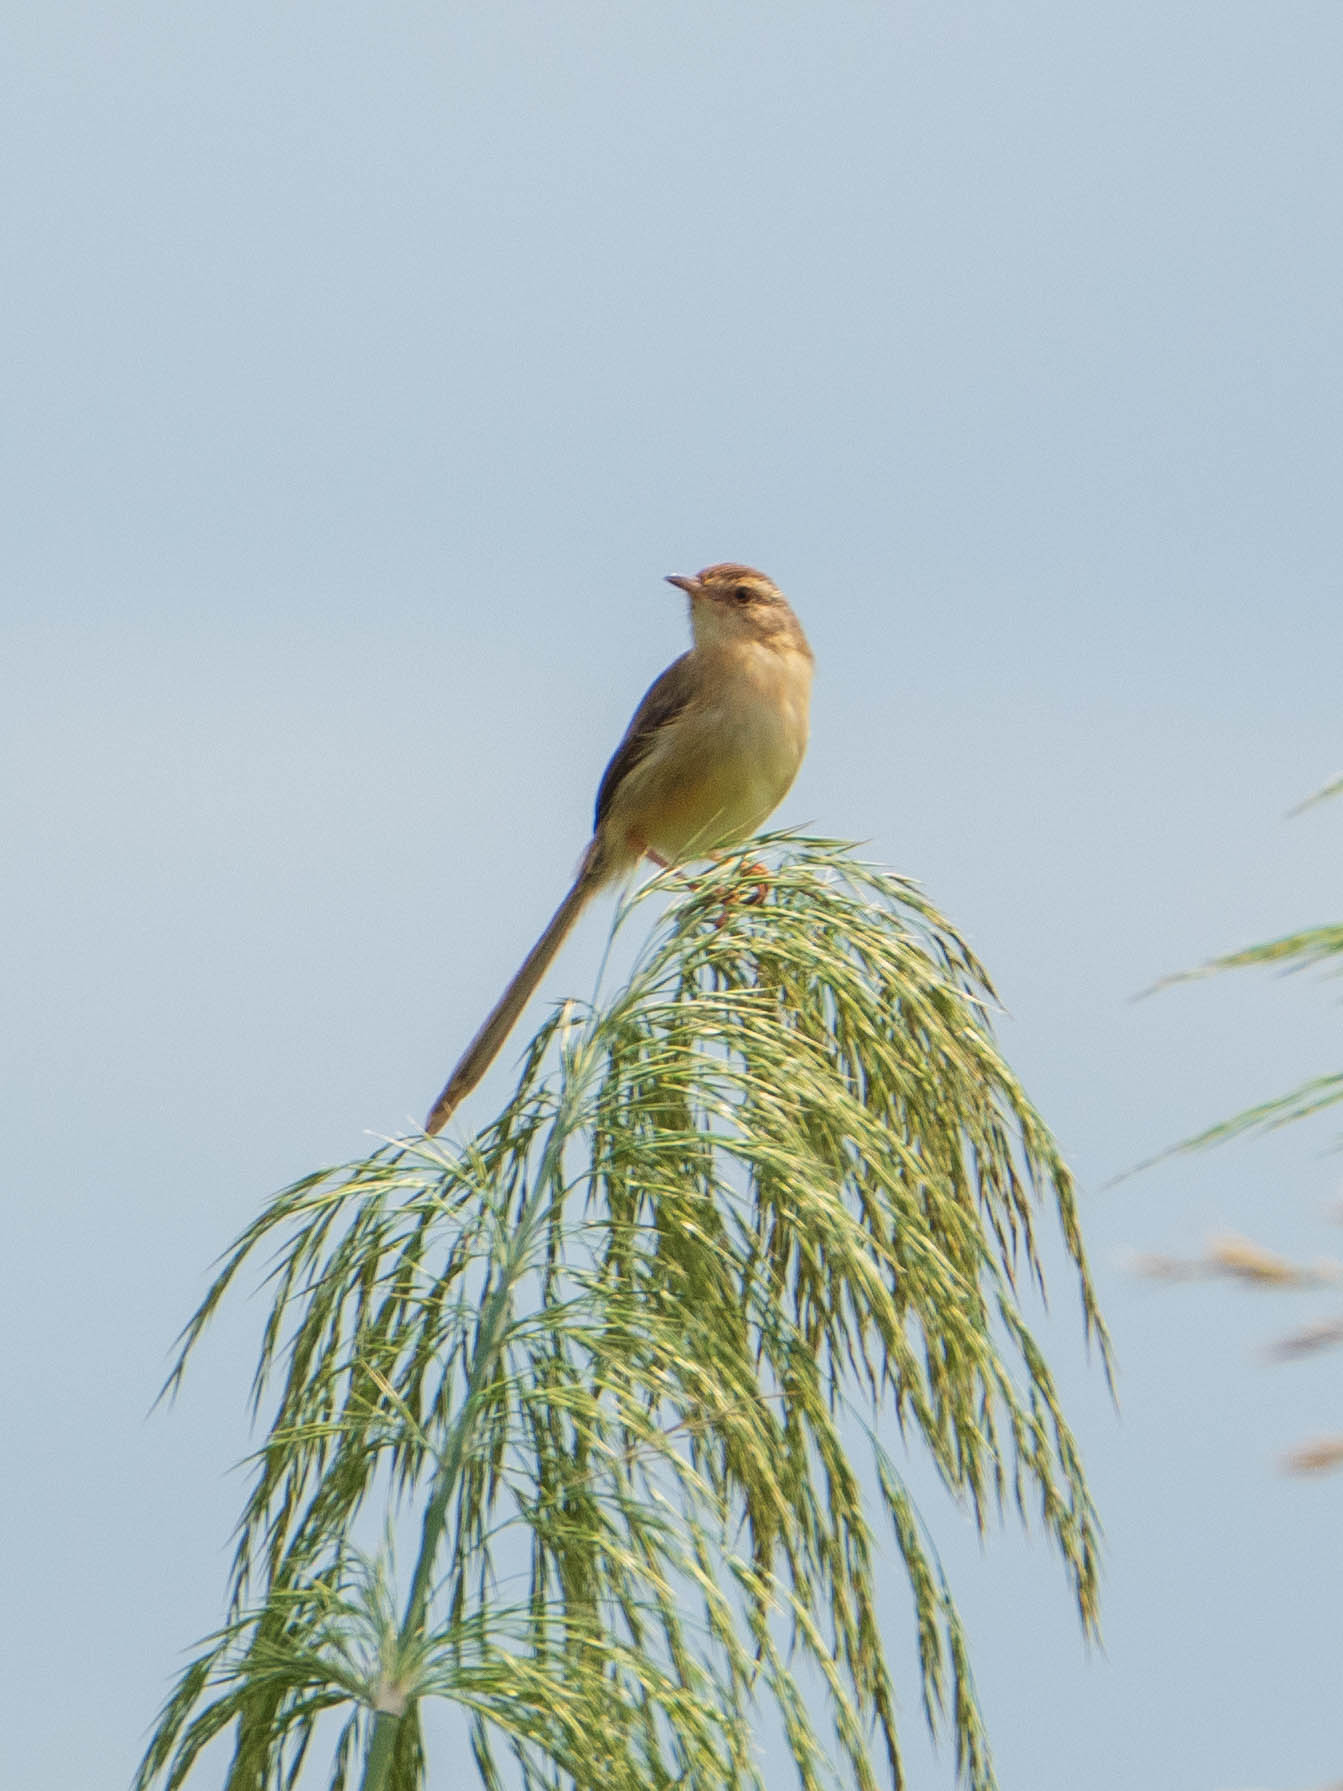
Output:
x,y
691,586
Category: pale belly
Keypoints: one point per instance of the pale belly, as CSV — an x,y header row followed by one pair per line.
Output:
x,y
721,780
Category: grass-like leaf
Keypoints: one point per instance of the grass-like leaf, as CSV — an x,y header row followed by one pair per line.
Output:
x,y
1250,1262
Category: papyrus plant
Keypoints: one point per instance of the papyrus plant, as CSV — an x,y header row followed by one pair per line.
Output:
x,y
629,1380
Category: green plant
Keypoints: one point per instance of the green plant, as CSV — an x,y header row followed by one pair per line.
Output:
x,y
606,1365
1240,1258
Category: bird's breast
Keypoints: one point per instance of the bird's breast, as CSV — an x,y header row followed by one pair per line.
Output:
x,y
731,755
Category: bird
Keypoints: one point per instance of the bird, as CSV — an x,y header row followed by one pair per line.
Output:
x,y
710,753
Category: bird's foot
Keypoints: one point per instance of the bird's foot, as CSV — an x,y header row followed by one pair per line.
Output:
x,y
750,891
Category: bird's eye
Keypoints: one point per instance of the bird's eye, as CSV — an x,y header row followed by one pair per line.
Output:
x,y
742,594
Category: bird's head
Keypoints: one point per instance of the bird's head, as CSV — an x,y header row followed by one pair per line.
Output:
x,y
732,603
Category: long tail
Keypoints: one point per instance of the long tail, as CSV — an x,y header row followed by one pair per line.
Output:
x,y
485,1046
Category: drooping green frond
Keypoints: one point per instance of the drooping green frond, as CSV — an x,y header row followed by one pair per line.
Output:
x,y
607,1364
1294,951
1334,787
1305,949
1298,1103
1243,1258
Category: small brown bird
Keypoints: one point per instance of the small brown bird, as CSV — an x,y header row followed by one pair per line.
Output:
x,y
709,755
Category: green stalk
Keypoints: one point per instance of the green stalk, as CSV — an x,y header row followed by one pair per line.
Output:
x,y
381,1747
489,1343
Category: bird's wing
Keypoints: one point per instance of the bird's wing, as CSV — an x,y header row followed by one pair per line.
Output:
x,y
665,698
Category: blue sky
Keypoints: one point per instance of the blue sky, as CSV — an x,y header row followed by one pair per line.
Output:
x,y
365,369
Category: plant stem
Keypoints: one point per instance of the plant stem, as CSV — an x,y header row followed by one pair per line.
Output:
x,y
381,1747
494,1320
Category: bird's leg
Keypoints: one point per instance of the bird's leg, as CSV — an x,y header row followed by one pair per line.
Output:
x,y
754,894
663,864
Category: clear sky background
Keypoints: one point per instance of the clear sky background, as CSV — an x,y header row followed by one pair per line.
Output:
x,y
364,368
